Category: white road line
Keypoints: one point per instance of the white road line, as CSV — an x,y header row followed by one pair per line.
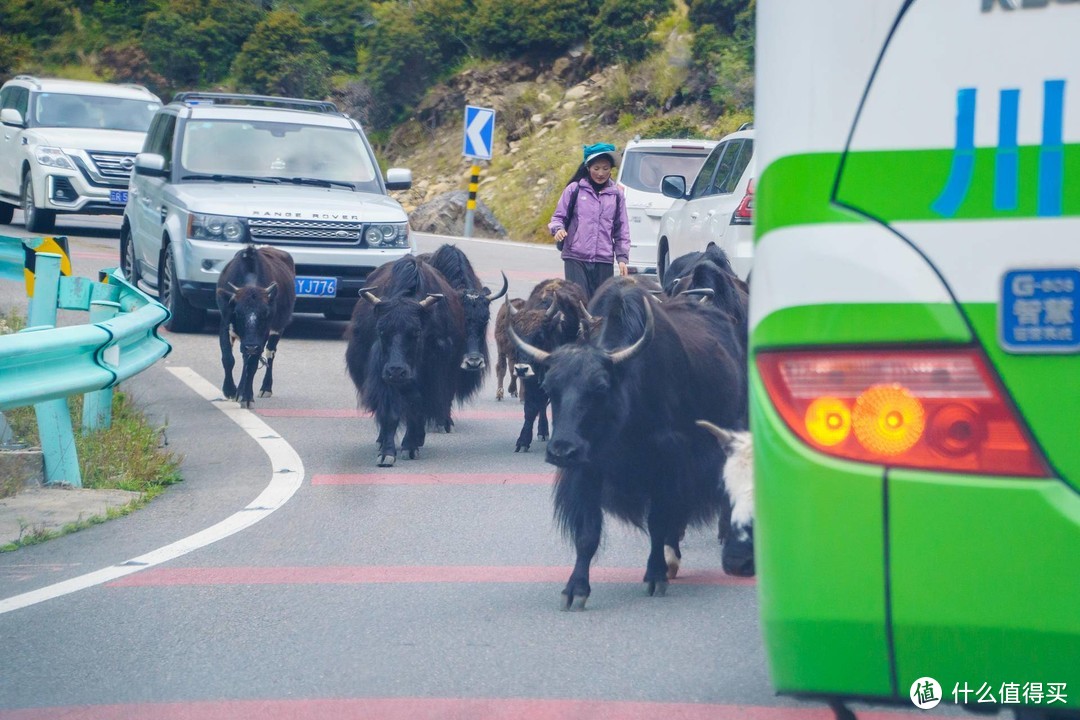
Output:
x,y
287,477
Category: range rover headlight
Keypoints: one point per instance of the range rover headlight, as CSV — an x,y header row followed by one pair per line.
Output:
x,y
215,227
53,157
387,235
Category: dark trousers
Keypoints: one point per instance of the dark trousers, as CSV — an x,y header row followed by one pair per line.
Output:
x,y
589,275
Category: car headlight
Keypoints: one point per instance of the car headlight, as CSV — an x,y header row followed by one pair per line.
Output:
x,y
387,235
53,157
216,227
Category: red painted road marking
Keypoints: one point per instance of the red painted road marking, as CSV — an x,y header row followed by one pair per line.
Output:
x,y
511,413
388,574
395,478
437,709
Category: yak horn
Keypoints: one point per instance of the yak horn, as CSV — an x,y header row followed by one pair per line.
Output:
x,y
431,299
505,287
552,308
367,295
510,307
235,289
626,353
707,292
724,436
535,354
584,312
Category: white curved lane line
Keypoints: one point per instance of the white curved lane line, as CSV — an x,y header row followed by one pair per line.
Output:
x,y
288,476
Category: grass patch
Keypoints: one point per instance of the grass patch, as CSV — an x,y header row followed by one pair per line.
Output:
x,y
127,455
35,535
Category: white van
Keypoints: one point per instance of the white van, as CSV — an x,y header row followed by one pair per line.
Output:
x,y
644,164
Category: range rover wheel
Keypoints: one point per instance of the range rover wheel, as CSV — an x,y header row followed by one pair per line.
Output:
x,y
36,219
185,316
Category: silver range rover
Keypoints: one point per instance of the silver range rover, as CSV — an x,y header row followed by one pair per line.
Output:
x,y
219,171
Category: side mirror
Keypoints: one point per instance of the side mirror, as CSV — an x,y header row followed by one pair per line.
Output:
x,y
12,117
150,164
673,186
398,179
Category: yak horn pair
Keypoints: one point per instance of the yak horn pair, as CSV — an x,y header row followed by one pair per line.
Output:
x,y
617,356
269,288
366,293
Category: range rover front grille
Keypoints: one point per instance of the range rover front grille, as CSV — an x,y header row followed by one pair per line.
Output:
x,y
276,231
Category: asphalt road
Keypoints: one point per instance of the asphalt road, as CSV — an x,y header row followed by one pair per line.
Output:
x,y
289,577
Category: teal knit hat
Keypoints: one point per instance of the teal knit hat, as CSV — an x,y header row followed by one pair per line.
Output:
x,y
591,152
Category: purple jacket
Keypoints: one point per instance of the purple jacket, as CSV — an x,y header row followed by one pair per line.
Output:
x,y
599,230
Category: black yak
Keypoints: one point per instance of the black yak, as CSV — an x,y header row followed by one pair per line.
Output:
x,y
551,316
256,292
405,346
475,302
624,436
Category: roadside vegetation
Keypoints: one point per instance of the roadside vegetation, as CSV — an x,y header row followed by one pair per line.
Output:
x,y
681,68
129,455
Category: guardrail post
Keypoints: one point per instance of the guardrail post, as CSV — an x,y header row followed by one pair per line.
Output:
x,y
53,416
97,405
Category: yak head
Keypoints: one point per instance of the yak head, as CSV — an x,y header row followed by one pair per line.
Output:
x,y
399,328
587,404
250,319
546,328
477,307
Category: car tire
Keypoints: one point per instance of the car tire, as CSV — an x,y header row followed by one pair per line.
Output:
x,y
6,213
662,259
185,317
36,219
127,257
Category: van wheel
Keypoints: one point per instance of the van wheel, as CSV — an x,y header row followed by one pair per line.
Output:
x,y
185,317
36,219
6,213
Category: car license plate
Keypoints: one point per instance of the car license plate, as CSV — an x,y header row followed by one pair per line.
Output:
x,y
118,197
316,286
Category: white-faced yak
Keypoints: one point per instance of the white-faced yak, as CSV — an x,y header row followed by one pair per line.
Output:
x,y
256,292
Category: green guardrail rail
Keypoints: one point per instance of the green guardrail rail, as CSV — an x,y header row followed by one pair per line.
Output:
x,y
42,365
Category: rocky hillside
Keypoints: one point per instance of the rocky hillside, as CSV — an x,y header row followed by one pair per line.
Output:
x,y
544,114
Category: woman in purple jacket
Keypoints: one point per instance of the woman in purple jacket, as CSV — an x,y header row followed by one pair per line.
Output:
x,y
590,224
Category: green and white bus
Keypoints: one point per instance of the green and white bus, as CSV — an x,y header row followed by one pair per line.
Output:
x,y
915,350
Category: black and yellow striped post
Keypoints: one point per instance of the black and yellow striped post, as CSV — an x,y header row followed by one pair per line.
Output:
x,y
470,206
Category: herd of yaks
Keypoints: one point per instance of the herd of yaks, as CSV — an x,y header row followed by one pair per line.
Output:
x,y
647,384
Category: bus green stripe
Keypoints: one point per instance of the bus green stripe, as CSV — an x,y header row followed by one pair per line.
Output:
x,y
896,186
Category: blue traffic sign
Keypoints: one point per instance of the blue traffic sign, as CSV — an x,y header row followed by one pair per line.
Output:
x,y
479,132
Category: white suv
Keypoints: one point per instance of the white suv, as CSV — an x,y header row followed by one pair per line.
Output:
x,y
644,164
717,208
68,146
221,170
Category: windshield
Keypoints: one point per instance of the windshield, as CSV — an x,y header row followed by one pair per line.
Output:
x,y
92,111
644,169
278,150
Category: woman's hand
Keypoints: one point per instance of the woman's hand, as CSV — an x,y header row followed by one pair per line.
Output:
x,y
622,269
559,234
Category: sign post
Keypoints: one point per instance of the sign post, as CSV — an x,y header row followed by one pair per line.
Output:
x,y
479,134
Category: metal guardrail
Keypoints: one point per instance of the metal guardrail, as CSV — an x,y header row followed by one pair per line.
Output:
x,y
43,365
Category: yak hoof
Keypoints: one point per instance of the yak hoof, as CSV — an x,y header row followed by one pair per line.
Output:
x,y
573,603
672,561
246,404
522,446
542,436
387,460
656,588
499,394
413,452
266,393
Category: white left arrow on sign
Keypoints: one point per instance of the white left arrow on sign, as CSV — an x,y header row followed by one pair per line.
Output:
x,y
473,132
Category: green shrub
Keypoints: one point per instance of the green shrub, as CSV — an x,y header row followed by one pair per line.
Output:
x,y
621,30
282,58
510,28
